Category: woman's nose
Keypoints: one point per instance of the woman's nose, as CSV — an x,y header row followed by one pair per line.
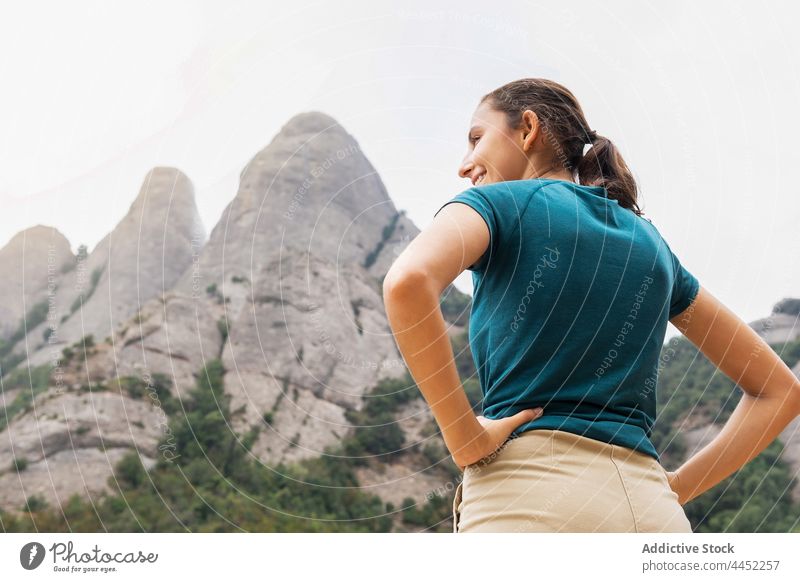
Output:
x,y
465,169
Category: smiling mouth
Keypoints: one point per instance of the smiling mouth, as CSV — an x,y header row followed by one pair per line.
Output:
x,y
479,179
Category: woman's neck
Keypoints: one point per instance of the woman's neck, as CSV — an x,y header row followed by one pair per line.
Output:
x,y
549,173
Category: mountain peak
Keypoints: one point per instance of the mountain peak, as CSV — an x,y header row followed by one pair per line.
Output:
x,y
163,186
788,306
38,233
311,122
161,176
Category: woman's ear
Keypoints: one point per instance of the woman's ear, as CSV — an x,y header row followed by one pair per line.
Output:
x,y
530,129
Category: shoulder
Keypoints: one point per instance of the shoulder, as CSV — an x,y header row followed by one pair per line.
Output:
x,y
649,226
666,251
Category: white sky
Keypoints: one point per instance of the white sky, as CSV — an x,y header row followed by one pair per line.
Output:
x,y
702,100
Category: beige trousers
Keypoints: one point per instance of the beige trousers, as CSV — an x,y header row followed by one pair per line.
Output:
x,y
556,481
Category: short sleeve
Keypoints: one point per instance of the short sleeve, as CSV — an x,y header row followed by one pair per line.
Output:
x,y
498,208
684,288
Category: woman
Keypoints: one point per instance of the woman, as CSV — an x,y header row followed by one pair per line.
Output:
x,y
573,289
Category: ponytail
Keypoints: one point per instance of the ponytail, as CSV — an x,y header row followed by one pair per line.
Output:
x,y
602,165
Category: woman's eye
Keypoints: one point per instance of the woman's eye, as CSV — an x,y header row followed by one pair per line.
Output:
x,y
474,139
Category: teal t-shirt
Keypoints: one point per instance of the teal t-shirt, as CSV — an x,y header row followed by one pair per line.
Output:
x,y
570,307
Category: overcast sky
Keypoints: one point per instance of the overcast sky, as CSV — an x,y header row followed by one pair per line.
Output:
x,y
702,102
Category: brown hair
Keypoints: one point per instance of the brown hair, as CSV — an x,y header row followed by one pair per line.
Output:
x,y
565,126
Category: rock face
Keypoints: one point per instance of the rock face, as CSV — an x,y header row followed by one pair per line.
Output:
x,y
71,442
297,257
58,433
32,263
778,327
140,259
287,291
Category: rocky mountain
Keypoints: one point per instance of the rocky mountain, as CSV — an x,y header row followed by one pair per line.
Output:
x,y
59,425
32,263
286,291
141,258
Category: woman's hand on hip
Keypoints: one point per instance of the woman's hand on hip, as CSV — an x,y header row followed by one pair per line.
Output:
x,y
496,433
675,485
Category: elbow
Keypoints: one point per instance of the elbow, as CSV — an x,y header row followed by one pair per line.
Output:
x,y
787,401
400,284
791,397
794,399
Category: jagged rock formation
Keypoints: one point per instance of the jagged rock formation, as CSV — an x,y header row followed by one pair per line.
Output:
x,y
71,442
140,259
782,325
295,256
286,291
32,263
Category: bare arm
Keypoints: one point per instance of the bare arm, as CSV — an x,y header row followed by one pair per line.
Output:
x,y
412,288
770,401
411,294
